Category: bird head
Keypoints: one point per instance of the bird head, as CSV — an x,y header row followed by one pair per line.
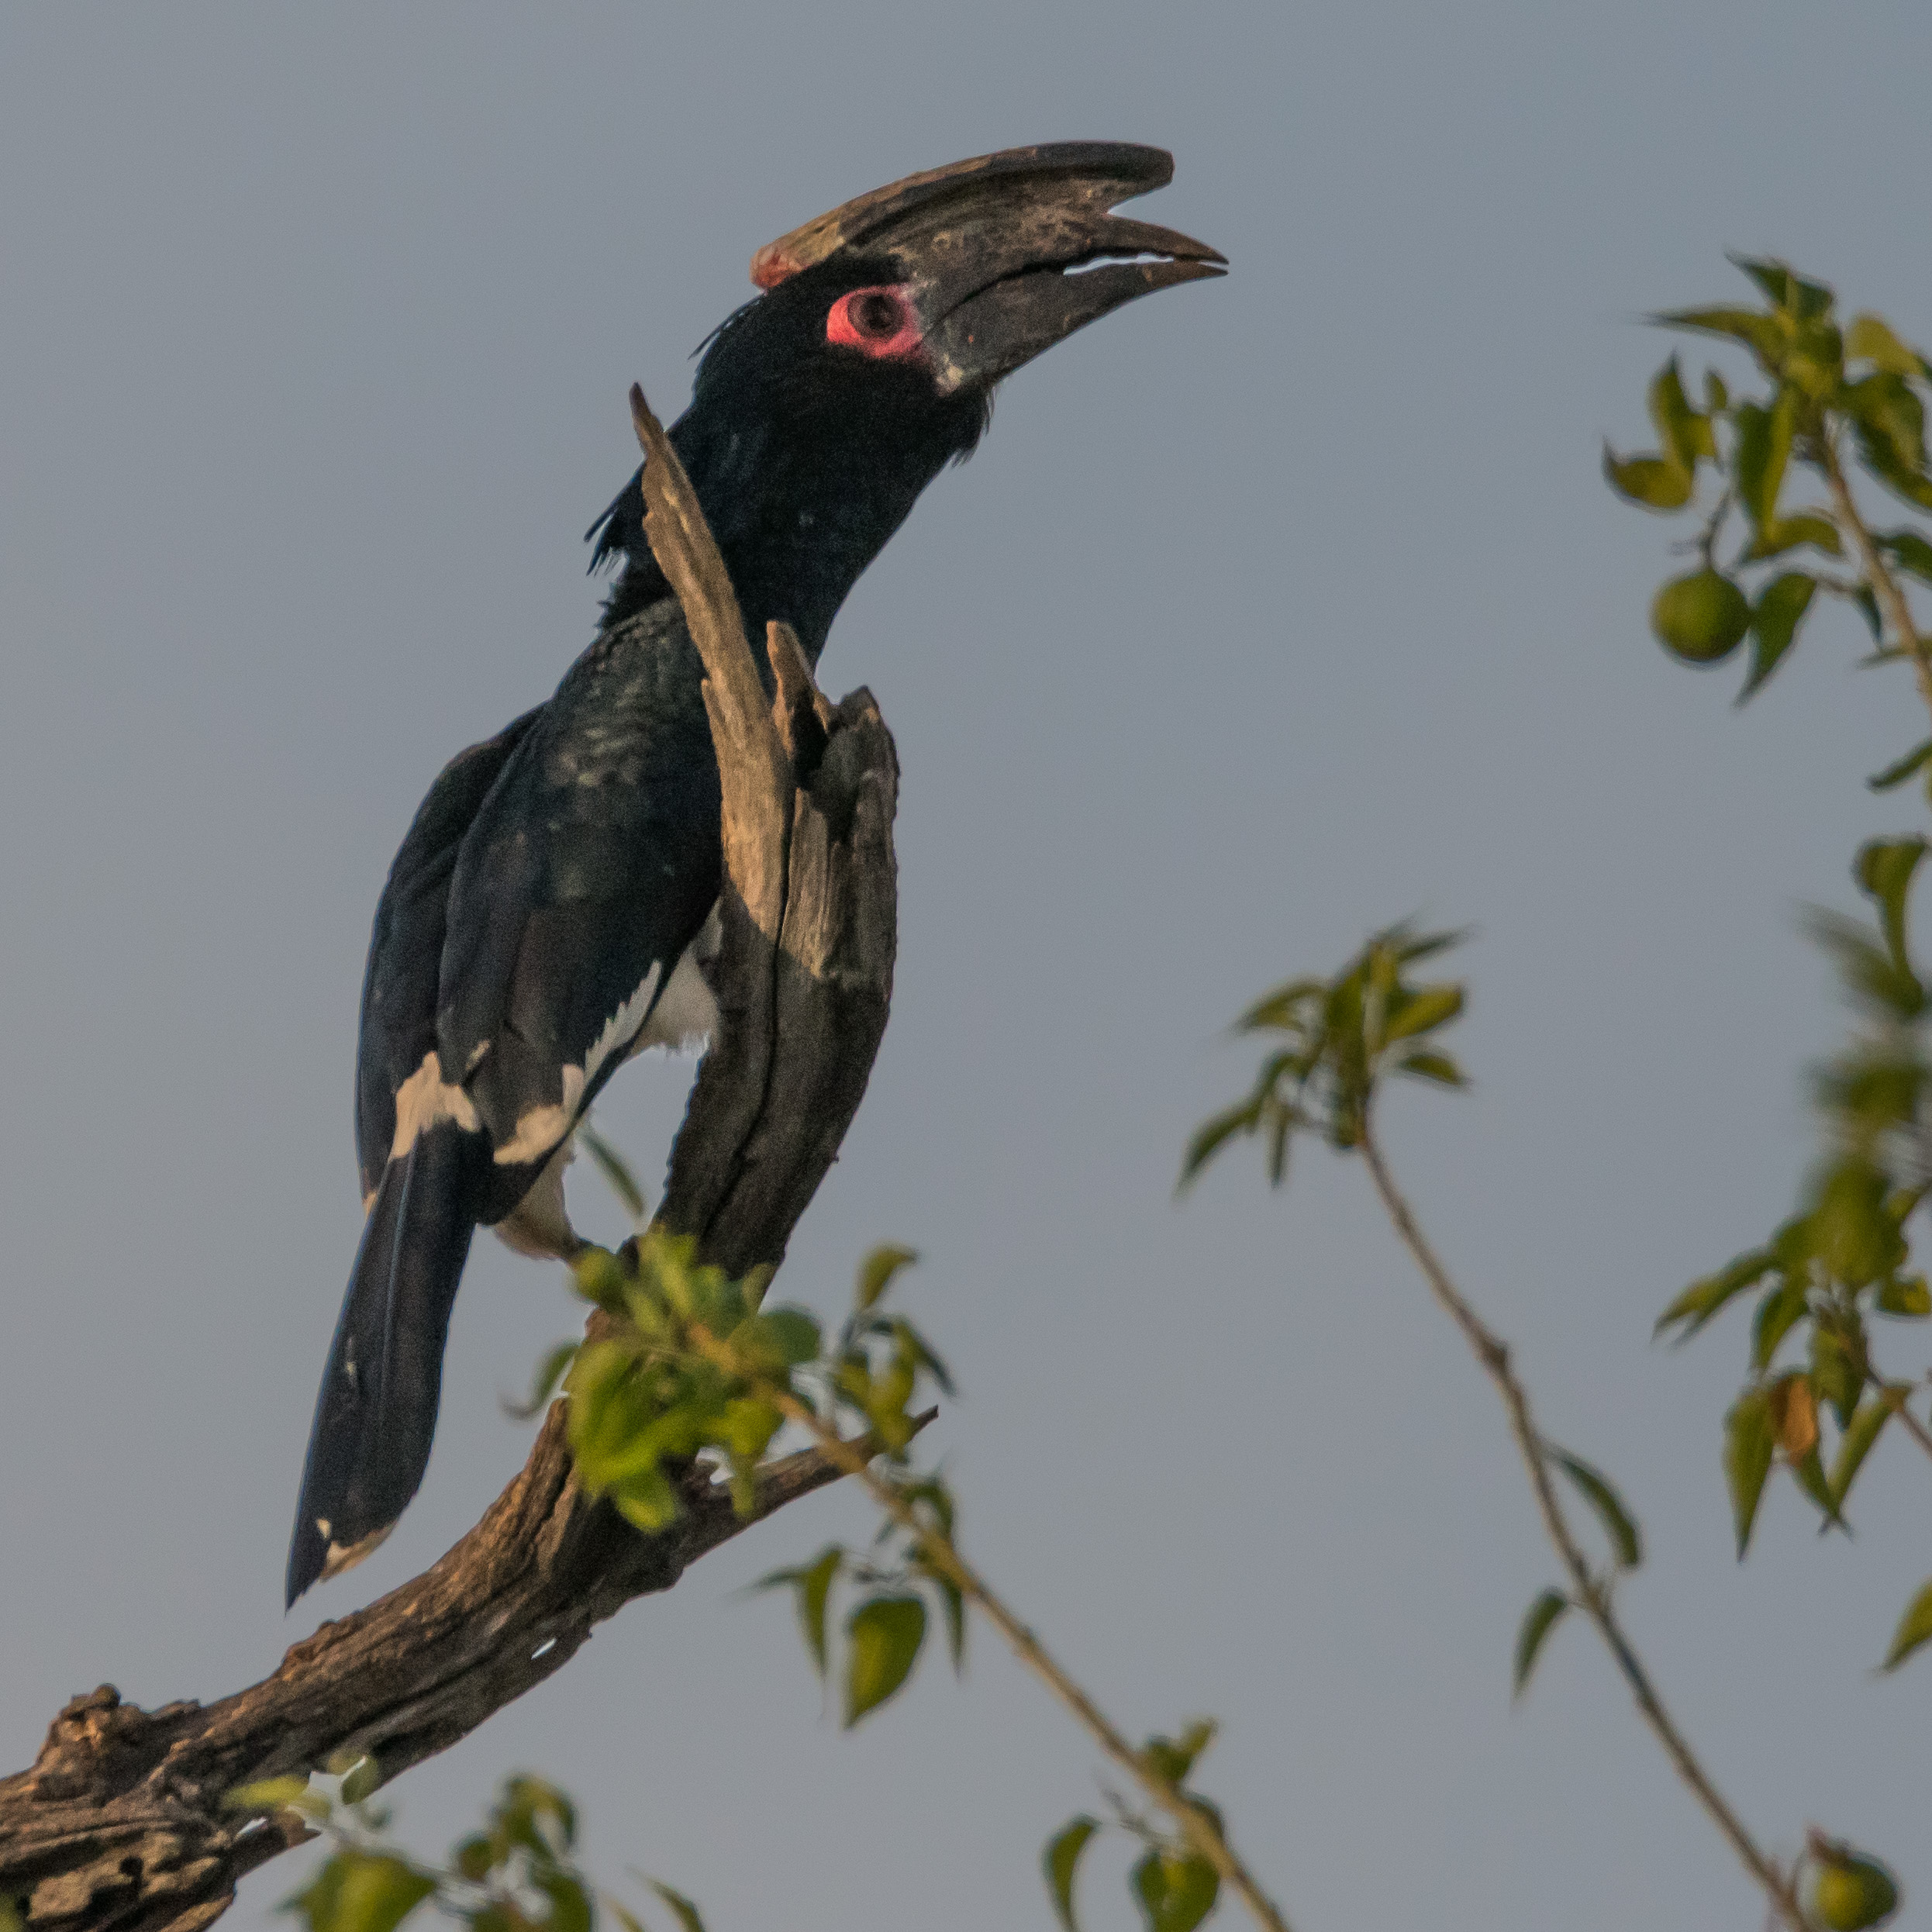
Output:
x,y
823,407
982,265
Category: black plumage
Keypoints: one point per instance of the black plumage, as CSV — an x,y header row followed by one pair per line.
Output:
x,y
531,932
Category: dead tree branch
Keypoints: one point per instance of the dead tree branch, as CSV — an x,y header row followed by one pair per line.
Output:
x,y
120,1825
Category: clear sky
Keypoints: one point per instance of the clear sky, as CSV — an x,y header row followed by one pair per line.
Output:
x,y
1271,610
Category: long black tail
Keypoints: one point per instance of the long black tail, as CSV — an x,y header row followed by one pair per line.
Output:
x,y
369,1442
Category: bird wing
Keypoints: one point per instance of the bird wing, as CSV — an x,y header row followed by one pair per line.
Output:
x,y
405,948
592,865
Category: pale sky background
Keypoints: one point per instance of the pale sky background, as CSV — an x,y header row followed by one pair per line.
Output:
x,y
1271,611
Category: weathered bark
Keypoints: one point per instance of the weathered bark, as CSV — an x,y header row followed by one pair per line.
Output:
x,y
120,1824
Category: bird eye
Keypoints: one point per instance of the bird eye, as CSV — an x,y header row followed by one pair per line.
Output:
x,y
874,313
877,322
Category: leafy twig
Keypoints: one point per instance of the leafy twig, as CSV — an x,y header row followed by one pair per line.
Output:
x,y
1203,1835
1592,1597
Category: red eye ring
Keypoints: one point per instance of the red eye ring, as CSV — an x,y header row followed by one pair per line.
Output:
x,y
877,322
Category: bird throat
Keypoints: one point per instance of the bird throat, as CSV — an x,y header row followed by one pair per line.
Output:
x,y
800,506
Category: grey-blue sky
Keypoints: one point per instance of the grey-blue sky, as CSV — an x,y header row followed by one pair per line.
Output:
x,y
1269,611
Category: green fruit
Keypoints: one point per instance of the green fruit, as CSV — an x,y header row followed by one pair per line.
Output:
x,y
1851,1892
1700,618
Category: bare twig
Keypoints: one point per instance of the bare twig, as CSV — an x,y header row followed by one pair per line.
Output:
x,y
1591,1595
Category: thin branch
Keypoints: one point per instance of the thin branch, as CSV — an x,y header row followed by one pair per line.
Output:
x,y
1592,1596
1885,584
939,1550
1896,1395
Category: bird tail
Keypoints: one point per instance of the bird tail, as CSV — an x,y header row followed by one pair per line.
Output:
x,y
369,1442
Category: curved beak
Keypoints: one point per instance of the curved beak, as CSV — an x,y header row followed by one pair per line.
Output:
x,y
1008,254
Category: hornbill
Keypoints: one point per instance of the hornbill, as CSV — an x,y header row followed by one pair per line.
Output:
x,y
549,913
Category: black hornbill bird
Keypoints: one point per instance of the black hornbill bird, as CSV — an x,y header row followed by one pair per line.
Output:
x,y
549,913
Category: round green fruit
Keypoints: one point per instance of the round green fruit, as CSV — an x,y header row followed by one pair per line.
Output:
x,y
1849,1894
1700,618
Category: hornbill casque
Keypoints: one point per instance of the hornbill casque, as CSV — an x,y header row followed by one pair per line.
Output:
x,y
549,913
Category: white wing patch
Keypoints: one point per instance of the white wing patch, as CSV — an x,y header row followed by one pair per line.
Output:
x,y
688,1014
423,1099
542,1128
621,1029
347,1556
685,1015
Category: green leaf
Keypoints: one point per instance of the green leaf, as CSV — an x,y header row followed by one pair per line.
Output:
x,y
1855,1444
876,1272
1213,1134
1171,1758
812,1588
1908,1298
532,1812
1282,1122
360,1780
1889,420
1703,1299
1862,596
277,1794
1784,1306
1764,449
883,1637
570,1905
1836,1377
1682,433
685,1911
1914,1627
1749,1440
1884,869
1803,301
1774,619
744,1428
1176,1890
1284,1009
1871,338
1542,1616
1626,1539
1409,946
1896,774
615,1170
1061,1860
1909,551
646,1500
779,1338
362,1892
953,1601
915,1345
1765,339
1809,1471
1427,1065
550,1372
1426,1009
1656,482
1788,533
